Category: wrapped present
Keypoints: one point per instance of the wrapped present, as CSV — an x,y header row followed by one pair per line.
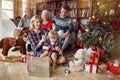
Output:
x,y
94,58
113,67
39,67
91,68
102,68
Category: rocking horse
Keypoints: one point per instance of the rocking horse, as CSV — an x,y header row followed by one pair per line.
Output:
x,y
8,42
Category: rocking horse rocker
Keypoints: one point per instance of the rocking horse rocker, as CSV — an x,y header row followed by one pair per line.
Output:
x,y
8,42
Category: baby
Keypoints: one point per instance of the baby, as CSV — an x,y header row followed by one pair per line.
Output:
x,y
51,47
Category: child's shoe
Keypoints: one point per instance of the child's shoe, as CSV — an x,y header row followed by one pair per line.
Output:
x,y
23,59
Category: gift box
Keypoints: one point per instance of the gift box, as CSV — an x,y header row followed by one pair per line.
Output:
x,y
94,58
91,68
39,67
115,69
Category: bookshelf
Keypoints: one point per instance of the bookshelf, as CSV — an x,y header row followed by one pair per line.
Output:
x,y
80,9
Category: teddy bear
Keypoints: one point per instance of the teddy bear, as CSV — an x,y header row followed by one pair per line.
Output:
x,y
77,64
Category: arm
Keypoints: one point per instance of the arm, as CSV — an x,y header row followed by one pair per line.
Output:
x,y
34,41
70,26
46,45
53,26
21,23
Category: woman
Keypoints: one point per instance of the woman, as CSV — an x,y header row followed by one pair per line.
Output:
x,y
47,23
36,36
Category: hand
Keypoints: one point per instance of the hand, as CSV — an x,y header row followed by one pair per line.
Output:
x,y
44,54
43,38
46,47
53,26
66,34
57,49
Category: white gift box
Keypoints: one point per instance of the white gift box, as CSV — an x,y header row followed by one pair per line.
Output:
x,y
91,68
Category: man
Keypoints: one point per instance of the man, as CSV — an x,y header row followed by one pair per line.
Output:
x,y
24,22
64,22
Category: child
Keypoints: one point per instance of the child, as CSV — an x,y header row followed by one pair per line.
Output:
x,y
51,47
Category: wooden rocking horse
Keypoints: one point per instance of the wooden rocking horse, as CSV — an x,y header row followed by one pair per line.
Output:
x,y
8,42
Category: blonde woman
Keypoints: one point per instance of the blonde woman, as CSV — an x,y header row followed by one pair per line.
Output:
x,y
36,36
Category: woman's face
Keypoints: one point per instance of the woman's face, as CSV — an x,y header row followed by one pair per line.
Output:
x,y
46,16
37,24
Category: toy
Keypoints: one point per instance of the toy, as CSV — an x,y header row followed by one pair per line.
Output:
x,y
8,42
78,64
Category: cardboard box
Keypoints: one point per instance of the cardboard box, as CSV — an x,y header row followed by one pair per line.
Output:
x,y
39,67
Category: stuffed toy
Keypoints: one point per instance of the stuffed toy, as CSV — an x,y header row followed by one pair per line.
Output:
x,y
78,63
8,42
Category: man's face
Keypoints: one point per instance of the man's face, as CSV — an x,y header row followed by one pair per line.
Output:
x,y
64,12
28,13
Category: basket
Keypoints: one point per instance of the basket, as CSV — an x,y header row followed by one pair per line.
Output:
x,y
114,69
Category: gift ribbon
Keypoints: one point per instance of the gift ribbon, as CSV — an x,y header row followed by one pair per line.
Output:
x,y
91,66
31,67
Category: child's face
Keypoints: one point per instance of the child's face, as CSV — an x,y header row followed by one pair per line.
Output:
x,y
53,39
37,24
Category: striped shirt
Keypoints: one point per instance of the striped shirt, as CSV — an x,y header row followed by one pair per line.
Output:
x,y
64,24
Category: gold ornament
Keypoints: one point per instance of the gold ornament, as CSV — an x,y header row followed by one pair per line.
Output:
x,y
100,39
111,12
119,5
98,3
93,16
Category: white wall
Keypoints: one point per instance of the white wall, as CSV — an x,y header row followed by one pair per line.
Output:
x,y
0,10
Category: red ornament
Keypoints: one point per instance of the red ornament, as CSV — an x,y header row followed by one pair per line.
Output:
x,y
94,48
81,45
112,37
77,44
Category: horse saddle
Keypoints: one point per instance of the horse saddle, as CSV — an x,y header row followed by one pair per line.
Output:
x,y
12,41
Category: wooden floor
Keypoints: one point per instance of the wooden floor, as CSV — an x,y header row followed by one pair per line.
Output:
x,y
14,70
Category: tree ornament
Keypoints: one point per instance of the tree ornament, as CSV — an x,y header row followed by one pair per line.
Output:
x,y
111,12
119,5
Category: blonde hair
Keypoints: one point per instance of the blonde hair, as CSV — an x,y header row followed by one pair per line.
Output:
x,y
34,18
45,12
52,34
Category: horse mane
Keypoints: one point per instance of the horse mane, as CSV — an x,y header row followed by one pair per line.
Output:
x,y
24,32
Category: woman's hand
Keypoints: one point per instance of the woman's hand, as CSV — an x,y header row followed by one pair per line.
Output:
x,y
46,47
42,40
53,26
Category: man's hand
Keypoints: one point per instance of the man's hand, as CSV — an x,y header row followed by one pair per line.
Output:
x,y
66,34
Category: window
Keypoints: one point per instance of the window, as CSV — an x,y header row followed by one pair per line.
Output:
x,y
8,8
24,3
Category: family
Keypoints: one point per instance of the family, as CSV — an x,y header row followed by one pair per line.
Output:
x,y
43,36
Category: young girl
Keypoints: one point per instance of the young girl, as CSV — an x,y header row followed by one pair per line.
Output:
x,y
36,36
52,49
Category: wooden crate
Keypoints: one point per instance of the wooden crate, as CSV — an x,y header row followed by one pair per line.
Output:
x,y
39,67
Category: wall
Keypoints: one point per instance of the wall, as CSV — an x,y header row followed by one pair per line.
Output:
x,y
0,10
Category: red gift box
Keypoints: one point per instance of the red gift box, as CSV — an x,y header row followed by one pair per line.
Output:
x,y
94,58
112,68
